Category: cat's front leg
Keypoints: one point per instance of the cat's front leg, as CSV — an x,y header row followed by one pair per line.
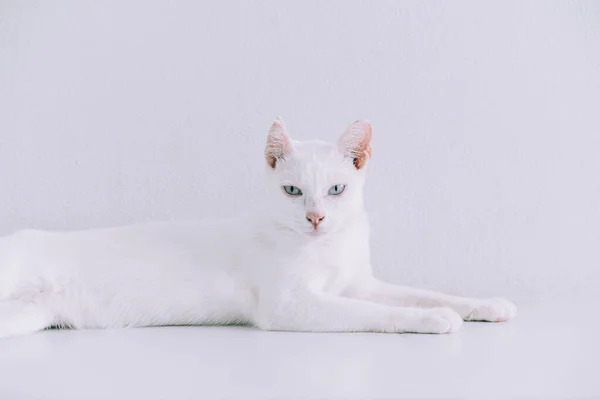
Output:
x,y
493,310
321,312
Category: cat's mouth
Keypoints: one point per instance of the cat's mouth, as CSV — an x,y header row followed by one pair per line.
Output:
x,y
306,233
315,233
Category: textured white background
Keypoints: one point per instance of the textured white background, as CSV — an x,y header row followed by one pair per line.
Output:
x,y
486,117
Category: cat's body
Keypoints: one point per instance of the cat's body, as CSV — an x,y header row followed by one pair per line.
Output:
x,y
172,273
302,266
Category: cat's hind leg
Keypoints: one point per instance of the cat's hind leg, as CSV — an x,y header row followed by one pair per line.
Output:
x,y
21,318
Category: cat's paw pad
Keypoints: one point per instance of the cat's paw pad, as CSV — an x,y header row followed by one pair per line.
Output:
x,y
492,310
440,320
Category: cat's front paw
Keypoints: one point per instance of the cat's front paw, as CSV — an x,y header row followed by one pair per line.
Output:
x,y
492,310
440,320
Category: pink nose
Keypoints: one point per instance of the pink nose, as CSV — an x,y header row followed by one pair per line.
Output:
x,y
314,218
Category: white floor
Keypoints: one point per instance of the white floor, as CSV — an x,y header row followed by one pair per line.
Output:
x,y
549,351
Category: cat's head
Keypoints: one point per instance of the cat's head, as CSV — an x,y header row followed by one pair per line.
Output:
x,y
316,187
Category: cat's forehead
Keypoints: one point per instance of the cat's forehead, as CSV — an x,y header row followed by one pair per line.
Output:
x,y
314,162
315,151
317,158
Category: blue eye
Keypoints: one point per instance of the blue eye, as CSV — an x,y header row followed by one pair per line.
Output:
x,y
336,190
292,190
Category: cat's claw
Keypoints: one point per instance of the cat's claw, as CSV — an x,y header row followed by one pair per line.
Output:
x,y
440,320
492,310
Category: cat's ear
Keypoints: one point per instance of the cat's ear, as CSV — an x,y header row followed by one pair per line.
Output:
x,y
279,143
355,143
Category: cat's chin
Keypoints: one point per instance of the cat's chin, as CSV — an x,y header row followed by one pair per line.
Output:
x,y
314,234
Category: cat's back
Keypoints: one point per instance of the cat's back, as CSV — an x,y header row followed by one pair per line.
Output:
x,y
200,230
134,246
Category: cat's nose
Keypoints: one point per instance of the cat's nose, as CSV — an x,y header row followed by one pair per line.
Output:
x,y
314,218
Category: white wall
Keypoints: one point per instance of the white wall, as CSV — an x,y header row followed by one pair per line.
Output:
x,y
486,119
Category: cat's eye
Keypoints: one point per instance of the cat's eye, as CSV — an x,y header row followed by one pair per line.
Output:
x,y
336,190
292,190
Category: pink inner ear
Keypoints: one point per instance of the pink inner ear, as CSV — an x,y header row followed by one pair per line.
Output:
x,y
278,143
363,151
274,149
356,143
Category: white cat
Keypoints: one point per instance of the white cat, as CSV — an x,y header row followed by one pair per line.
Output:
x,y
303,266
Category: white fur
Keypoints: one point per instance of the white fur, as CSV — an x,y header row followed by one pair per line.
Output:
x,y
274,270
